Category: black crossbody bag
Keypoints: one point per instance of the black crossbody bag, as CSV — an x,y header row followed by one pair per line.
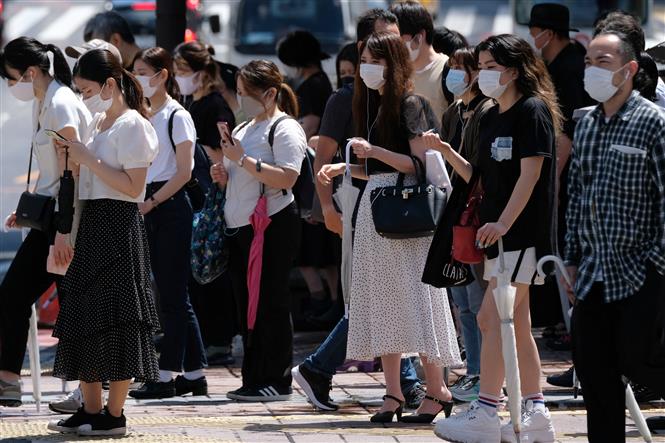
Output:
x,y
35,211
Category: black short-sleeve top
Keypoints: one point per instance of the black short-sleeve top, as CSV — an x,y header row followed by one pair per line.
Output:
x,y
524,130
416,117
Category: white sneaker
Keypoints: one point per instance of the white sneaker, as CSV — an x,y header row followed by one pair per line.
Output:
x,y
475,425
536,426
69,404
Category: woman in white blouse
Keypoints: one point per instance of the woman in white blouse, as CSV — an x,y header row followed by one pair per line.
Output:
x,y
36,73
252,167
107,316
168,219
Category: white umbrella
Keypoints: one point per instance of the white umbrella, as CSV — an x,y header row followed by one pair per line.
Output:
x,y
346,197
504,297
631,403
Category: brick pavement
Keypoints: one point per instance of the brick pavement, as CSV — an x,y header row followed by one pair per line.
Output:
x,y
217,419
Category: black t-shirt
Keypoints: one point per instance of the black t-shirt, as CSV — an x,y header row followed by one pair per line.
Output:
x,y
337,120
313,94
524,130
416,117
206,112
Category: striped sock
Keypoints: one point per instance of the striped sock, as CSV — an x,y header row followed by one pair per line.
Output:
x,y
489,402
538,400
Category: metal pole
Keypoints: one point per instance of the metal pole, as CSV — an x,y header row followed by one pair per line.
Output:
x,y
171,23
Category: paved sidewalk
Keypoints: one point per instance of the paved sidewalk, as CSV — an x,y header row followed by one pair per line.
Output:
x,y
217,419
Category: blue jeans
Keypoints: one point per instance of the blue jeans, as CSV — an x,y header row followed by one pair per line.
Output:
x,y
332,353
468,300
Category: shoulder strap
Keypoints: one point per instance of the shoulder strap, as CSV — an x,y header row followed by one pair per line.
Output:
x,y
171,127
271,133
32,147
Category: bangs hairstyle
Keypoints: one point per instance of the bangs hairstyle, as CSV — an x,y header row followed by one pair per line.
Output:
x,y
466,58
533,79
198,57
159,58
389,47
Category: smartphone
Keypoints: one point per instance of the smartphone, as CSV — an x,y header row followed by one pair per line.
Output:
x,y
54,134
225,131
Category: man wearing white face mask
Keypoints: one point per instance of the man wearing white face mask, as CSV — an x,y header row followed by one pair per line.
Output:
x,y
615,245
417,30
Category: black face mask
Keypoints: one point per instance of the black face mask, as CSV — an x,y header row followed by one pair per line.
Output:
x,y
349,79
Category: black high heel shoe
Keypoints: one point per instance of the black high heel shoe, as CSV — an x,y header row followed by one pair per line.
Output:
x,y
446,407
387,416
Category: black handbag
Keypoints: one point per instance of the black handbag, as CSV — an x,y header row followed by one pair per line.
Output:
x,y
408,211
35,211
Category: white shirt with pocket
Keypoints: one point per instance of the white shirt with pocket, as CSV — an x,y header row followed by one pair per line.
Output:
x,y
60,109
130,143
164,167
242,189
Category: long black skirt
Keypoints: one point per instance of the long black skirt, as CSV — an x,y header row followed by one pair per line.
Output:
x,y
107,317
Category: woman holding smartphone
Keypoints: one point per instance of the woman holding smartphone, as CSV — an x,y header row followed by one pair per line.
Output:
x,y
107,318
254,169
36,73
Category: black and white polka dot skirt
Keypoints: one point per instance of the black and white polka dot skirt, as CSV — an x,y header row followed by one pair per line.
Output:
x,y
107,317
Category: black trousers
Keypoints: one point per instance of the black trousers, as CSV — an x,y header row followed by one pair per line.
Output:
x,y
169,230
25,281
268,354
615,339
215,308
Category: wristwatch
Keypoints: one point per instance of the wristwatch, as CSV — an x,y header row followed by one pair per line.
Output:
x,y
242,160
258,165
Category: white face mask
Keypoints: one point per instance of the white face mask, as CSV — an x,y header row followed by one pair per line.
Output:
x,y
148,91
490,83
372,75
538,50
414,53
96,104
251,106
598,83
23,90
188,85
456,83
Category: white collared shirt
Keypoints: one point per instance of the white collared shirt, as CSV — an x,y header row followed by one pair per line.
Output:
x,y
130,143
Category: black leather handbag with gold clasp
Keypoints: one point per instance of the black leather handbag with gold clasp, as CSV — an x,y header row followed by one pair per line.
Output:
x,y
35,211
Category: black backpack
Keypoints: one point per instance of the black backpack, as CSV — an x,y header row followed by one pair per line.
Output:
x,y
304,190
197,187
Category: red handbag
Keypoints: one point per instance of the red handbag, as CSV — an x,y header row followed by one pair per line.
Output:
x,y
464,233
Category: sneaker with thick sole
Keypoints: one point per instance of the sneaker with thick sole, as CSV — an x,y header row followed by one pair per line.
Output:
x,y
71,425
196,387
10,394
233,395
643,394
69,404
475,425
264,394
467,389
154,390
562,379
536,426
315,386
414,396
104,424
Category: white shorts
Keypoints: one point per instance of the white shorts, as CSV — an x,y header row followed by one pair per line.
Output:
x,y
521,265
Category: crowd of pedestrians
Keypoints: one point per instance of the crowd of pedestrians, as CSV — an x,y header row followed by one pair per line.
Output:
x,y
551,148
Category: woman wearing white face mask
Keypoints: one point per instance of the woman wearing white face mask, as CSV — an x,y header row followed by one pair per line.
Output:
x,y
516,170
168,218
197,75
38,73
253,169
107,314
391,311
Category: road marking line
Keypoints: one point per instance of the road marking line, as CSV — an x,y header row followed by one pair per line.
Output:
x,y
67,24
503,21
26,18
460,18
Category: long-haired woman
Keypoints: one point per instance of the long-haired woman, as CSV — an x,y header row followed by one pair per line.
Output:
x,y
36,73
515,165
107,316
168,219
391,312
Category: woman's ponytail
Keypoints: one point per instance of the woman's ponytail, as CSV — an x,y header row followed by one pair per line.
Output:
x,y
287,100
61,70
133,93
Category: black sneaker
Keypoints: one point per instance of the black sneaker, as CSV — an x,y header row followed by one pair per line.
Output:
x,y
263,394
70,425
643,394
196,387
152,390
104,424
656,424
414,397
315,386
233,395
562,379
